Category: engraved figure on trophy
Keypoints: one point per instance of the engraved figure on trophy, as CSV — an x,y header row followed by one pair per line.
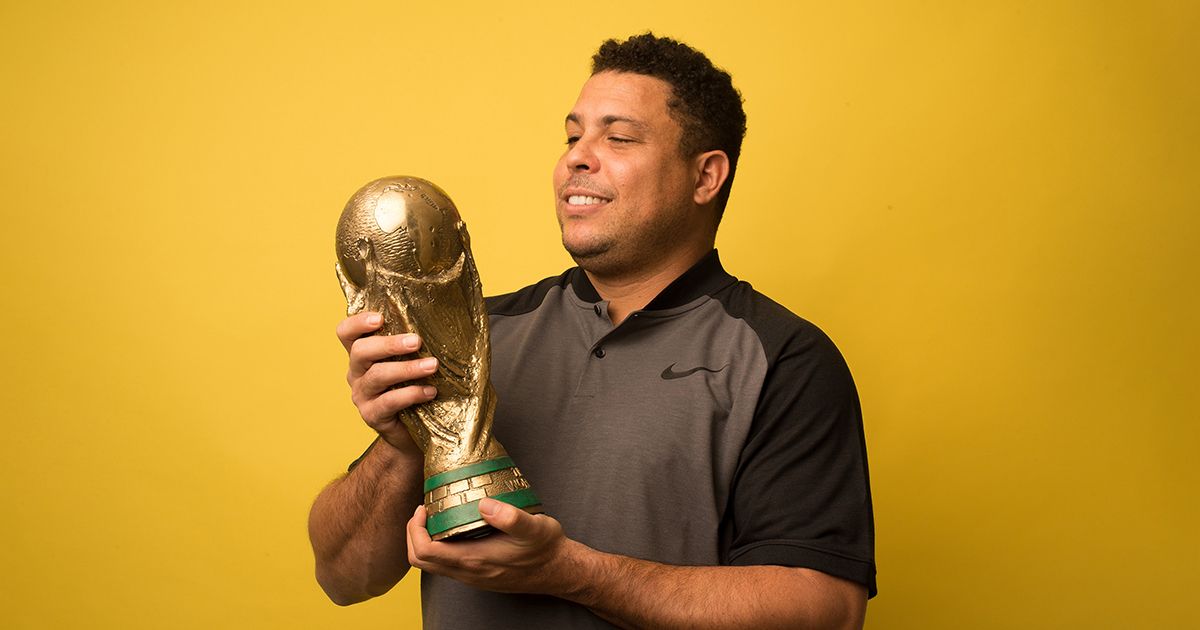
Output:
x,y
404,252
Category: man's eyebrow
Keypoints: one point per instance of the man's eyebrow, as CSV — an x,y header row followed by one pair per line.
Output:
x,y
607,121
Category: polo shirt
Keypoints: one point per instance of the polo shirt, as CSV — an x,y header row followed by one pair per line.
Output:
x,y
712,427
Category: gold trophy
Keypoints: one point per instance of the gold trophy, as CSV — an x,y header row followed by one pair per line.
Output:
x,y
403,251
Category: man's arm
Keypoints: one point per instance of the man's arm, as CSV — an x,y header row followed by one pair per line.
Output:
x,y
357,523
634,593
534,556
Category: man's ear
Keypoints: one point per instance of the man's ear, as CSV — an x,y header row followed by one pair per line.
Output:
x,y
712,169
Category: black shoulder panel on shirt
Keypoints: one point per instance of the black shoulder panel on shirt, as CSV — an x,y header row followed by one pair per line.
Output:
x,y
527,299
775,325
801,492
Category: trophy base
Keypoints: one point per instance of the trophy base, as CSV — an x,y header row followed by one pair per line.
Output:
x,y
452,498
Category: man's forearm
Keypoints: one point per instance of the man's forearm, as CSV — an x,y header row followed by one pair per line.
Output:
x,y
357,525
636,593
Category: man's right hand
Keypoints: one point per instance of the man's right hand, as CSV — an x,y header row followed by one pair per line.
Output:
x,y
375,374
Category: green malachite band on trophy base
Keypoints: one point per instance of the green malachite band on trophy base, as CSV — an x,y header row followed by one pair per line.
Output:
x,y
469,512
466,472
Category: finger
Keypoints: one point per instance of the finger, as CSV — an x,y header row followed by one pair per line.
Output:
x,y
418,539
386,374
367,351
356,326
380,412
509,519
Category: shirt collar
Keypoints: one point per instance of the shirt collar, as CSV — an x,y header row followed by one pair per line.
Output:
x,y
705,277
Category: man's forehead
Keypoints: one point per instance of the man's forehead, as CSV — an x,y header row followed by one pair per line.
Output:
x,y
608,120
620,97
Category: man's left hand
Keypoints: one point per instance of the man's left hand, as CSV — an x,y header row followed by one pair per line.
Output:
x,y
529,553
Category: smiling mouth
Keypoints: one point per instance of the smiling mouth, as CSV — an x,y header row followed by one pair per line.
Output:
x,y
584,200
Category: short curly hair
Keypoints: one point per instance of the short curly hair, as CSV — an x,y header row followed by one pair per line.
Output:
x,y
704,101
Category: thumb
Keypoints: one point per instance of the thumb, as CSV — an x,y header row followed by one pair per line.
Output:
x,y
508,519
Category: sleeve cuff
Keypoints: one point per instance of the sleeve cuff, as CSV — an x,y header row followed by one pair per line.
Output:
x,y
354,464
796,554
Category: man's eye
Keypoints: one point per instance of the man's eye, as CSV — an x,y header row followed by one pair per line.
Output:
x,y
572,140
619,139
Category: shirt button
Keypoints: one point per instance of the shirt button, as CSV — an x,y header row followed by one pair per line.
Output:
x,y
597,309
599,352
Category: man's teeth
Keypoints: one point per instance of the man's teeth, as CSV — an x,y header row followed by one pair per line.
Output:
x,y
584,200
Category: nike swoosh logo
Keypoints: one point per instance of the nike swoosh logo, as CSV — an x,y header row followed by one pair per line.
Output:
x,y
670,372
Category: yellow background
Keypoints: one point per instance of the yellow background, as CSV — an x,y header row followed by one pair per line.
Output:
x,y
991,207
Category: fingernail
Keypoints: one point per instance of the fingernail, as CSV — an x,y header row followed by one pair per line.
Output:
x,y
411,342
428,364
487,507
374,320
429,391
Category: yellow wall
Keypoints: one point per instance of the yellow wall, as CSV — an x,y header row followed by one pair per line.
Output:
x,y
992,209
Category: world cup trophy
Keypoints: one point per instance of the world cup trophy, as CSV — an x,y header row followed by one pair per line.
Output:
x,y
403,251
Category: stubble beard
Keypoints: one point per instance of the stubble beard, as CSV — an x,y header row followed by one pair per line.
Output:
x,y
592,255
601,254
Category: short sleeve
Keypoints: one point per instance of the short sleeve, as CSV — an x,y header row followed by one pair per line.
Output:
x,y
801,491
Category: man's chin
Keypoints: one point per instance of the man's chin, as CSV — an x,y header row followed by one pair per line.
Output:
x,y
581,252
599,261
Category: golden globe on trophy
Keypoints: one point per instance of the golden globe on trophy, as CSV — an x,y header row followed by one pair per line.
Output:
x,y
403,251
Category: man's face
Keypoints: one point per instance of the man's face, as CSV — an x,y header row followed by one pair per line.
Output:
x,y
624,191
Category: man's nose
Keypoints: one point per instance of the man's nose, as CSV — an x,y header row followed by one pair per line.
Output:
x,y
581,157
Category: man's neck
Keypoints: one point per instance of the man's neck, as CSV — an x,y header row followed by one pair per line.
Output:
x,y
630,292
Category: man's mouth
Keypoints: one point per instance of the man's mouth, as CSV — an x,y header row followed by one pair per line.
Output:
x,y
584,200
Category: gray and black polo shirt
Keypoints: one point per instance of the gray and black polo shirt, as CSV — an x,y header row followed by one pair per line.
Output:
x,y
711,427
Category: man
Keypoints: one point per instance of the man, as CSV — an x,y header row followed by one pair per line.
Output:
x,y
698,449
